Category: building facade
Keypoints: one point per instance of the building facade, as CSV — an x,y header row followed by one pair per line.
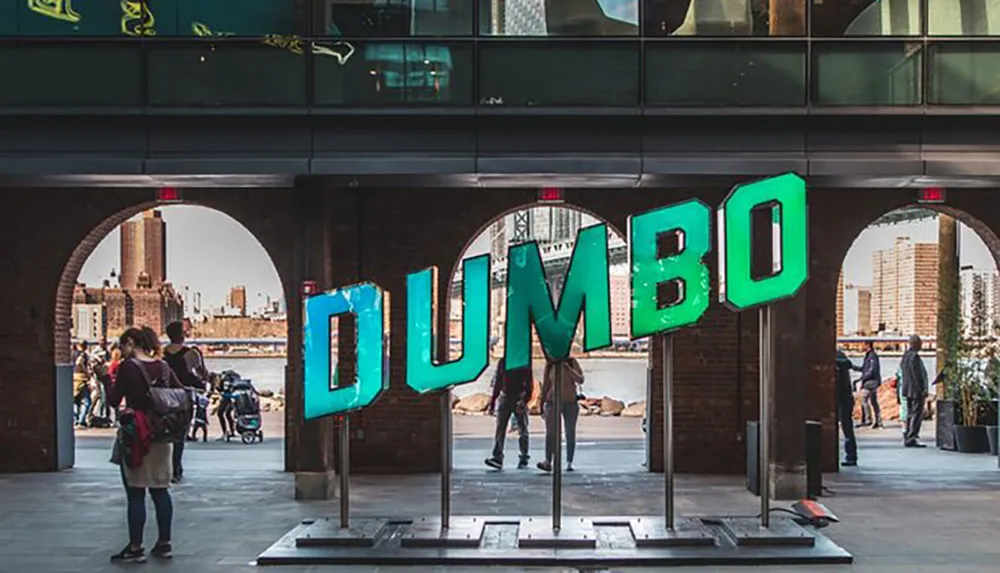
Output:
x,y
904,296
237,299
979,298
144,251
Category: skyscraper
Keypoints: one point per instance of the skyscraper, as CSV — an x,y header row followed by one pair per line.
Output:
x,y
144,250
905,290
238,299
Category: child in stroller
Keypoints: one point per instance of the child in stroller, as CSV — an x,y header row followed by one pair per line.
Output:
x,y
246,403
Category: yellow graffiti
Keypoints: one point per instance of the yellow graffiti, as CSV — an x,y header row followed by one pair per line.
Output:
x,y
58,9
137,19
291,43
202,30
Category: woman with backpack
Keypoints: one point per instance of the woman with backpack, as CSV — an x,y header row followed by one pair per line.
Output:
x,y
143,453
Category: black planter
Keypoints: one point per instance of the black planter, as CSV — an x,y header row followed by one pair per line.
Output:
x,y
991,435
971,439
945,420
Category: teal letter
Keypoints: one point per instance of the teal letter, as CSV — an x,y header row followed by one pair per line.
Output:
x,y
370,305
786,195
692,221
529,299
424,372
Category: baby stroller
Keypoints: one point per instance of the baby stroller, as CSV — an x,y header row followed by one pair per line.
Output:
x,y
246,403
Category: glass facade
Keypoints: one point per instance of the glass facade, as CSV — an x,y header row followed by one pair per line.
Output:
x,y
500,53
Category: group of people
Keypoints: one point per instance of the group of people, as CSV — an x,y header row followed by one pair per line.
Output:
x,y
512,391
94,370
913,388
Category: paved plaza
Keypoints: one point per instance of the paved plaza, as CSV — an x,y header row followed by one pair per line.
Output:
x,y
903,510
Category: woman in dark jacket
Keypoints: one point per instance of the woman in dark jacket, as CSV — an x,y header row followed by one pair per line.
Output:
x,y
153,471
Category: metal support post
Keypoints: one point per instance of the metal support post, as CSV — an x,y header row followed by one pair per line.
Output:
x,y
668,429
446,453
556,426
764,433
345,478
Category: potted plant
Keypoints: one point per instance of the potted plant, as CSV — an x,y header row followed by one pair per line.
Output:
x,y
988,409
969,380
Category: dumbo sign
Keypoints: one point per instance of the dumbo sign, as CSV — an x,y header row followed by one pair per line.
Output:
x,y
585,291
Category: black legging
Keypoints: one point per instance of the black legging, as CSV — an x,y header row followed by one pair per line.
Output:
x,y
226,417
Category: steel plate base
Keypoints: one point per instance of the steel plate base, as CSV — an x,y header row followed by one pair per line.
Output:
x,y
537,532
781,532
653,532
461,532
327,532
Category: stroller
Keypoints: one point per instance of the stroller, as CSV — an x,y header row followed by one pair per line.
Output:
x,y
246,403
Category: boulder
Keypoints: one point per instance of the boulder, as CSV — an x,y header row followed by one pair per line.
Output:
x,y
265,407
634,410
266,393
475,404
611,407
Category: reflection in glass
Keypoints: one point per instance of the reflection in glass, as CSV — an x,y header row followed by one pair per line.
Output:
x,y
963,17
834,18
70,75
68,18
725,17
351,73
207,73
965,74
393,18
243,18
742,74
559,17
867,74
605,73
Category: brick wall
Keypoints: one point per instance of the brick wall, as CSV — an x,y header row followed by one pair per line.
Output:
x,y
381,235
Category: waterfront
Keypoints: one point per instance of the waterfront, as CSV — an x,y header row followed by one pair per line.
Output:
x,y
619,378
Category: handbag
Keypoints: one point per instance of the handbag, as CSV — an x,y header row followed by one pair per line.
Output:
x,y
117,449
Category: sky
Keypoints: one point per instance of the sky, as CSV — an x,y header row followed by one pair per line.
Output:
x,y
226,254
207,251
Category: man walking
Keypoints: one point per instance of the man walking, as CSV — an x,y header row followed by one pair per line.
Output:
x,y
915,390
845,408
511,393
871,379
189,366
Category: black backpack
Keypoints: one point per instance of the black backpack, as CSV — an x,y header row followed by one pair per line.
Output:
x,y
171,408
178,363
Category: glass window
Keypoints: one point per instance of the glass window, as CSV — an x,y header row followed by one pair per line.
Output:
x,y
384,73
867,74
224,17
226,73
740,74
725,17
964,74
8,17
70,75
393,18
566,18
543,74
963,18
836,18
71,17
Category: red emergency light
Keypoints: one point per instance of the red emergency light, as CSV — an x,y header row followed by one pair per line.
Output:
x,y
309,288
168,195
931,195
550,195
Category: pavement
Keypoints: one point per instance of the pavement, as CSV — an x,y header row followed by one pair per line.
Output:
x,y
902,510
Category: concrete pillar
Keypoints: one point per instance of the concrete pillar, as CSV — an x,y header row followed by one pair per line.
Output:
x,y
948,310
787,399
312,442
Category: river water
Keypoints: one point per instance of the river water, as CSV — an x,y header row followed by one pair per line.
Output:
x,y
620,378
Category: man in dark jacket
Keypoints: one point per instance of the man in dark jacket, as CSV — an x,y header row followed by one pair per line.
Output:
x,y
915,391
845,408
871,379
511,392
188,364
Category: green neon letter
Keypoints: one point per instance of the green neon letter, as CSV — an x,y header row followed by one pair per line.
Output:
x,y
786,196
585,289
424,372
692,221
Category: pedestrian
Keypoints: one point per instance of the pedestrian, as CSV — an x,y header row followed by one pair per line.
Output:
x,y
145,464
915,391
569,409
510,396
845,408
188,364
81,384
871,380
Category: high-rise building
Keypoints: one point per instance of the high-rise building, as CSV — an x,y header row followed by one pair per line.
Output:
x,y
144,250
864,309
840,304
978,301
905,292
621,305
237,299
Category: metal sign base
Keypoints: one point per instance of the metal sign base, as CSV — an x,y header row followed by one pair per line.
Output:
x,y
653,532
461,532
780,532
329,533
575,532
